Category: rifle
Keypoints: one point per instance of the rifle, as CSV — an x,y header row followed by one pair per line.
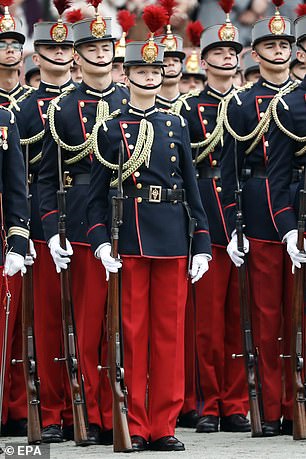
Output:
x,y
80,423
249,352
299,419
122,440
4,348
28,341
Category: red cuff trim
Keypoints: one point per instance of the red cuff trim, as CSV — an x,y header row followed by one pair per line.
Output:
x,y
282,210
95,226
49,213
201,231
230,205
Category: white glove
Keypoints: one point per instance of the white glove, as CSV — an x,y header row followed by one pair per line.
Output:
x,y
110,264
235,255
14,262
199,267
30,257
296,256
59,255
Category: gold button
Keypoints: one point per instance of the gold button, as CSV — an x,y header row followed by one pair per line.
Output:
x,y
139,199
260,101
168,123
172,145
205,122
202,109
124,125
124,101
173,158
44,115
216,177
266,143
170,134
139,186
137,174
175,186
41,103
208,134
127,135
84,119
219,189
214,162
87,135
131,147
172,174
82,104
261,114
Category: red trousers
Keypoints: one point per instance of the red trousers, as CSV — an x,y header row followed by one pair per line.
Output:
x,y
153,311
267,264
54,386
190,401
221,384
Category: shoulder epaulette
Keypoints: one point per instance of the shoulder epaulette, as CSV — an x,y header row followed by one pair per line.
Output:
x,y
182,100
121,85
12,119
171,112
25,95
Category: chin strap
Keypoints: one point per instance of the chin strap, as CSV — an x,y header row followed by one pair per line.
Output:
x,y
223,68
270,61
53,62
95,63
11,65
151,87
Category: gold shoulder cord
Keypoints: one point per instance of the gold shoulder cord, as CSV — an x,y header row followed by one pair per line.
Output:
x,y
84,148
290,134
140,155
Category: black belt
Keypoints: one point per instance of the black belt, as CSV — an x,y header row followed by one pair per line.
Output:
x,y
257,172
155,193
209,172
77,179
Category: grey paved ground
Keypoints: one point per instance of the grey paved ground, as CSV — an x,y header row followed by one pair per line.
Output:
x,y
207,446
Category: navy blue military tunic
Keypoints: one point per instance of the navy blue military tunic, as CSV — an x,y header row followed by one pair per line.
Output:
x,y
31,121
256,203
74,121
285,167
201,114
12,187
150,229
165,104
10,99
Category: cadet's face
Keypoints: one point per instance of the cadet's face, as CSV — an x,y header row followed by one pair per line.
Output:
x,y
57,53
148,76
253,77
118,72
277,51
224,57
174,67
191,83
298,71
10,52
35,80
76,73
300,54
99,52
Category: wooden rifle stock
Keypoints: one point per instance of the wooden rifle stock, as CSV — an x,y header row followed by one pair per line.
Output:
x,y
249,352
29,357
122,440
299,418
70,340
28,338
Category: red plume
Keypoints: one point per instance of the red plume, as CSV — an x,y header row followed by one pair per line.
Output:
x,y
169,6
194,31
126,20
155,17
94,3
62,5
278,3
6,2
227,5
74,16
301,10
